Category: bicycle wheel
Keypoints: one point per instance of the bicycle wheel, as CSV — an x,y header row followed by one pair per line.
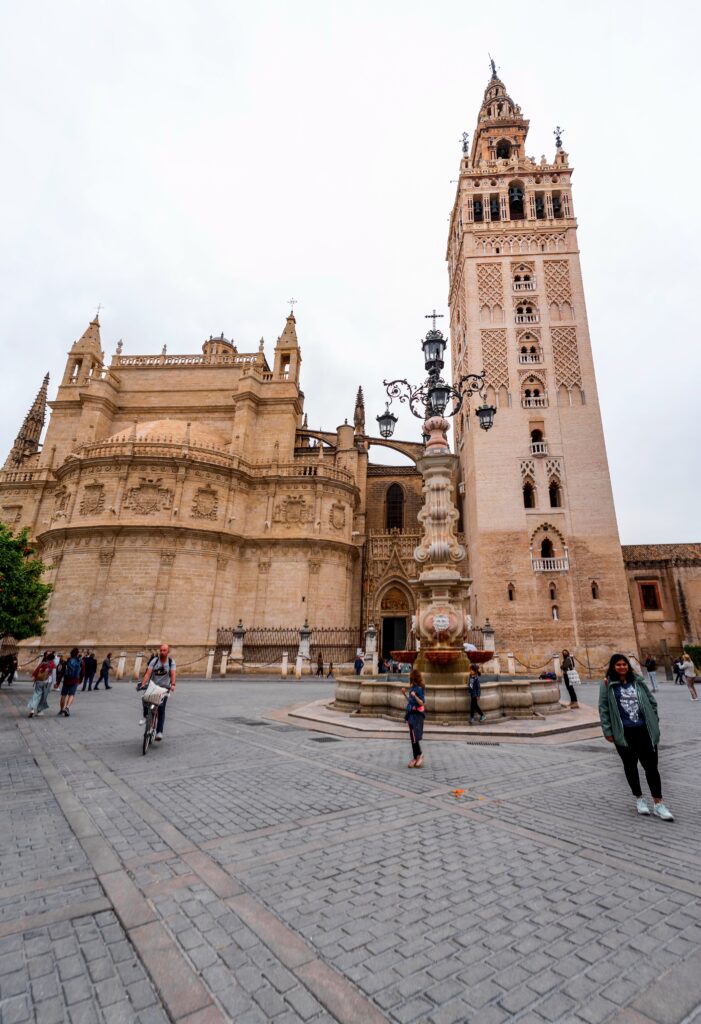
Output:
x,y
148,732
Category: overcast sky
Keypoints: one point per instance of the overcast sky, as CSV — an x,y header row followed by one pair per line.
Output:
x,y
192,164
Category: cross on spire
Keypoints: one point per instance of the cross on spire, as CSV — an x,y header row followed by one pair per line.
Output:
x,y
558,133
433,316
293,303
97,311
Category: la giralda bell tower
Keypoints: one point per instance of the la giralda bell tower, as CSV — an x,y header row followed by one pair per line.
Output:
x,y
545,555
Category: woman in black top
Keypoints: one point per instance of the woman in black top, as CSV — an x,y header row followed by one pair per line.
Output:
x,y
567,667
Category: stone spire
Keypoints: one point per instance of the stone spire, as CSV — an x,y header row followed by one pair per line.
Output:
x,y
90,341
359,414
27,441
288,338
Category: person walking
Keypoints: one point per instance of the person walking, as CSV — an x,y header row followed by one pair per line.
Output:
x,y
43,678
651,669
414,715
628,715
9,667
89,669
678,669
689,670
569,677
161,669
358,664
71,677
104,676
329,674
320,664
474,687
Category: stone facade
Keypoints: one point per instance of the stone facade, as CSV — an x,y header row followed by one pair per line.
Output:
x,y
545,556
664,584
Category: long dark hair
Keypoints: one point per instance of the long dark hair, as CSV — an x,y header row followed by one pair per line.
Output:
x,y
612,674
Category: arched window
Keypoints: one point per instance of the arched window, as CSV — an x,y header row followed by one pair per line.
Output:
x,y
511,590
546,549
503,147
555,613
555,493
394,508
516,210
552,589
528,495
536,435
594,590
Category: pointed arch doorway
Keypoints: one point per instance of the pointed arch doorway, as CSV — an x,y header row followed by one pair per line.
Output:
x,y
396,609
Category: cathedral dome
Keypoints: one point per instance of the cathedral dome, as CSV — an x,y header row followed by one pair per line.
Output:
x,y
172,432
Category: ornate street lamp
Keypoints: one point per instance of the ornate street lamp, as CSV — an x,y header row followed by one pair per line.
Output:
x,y
387,422
431,398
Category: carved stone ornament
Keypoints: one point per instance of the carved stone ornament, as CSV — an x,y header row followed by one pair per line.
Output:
x,y
61,501
93,500
394,601
292,510
337,516
205,504
106,555
167,556
148,497
11,514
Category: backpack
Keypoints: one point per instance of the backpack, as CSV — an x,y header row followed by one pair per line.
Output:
x,y
72,669
43,673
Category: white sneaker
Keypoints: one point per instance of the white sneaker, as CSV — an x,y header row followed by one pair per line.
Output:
x,y
663,812
159,737
142,721
641,806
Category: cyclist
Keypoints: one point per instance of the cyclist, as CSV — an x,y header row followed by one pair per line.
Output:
x,y
160,668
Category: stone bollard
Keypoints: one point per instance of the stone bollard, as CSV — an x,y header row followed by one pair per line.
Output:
x,y
137,666
121,664
370,665
210,665
298,667
222,666
488,637
497,665
556,664
510,664
285,664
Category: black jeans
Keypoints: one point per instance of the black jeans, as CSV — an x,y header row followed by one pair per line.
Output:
x,y
105,680
415,721
87,681
474,706
640,749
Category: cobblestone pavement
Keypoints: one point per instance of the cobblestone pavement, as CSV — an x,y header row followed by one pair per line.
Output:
x,y
251,871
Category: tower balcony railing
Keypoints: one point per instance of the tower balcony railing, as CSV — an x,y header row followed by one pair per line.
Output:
x,y
550,564
530,357
539,448
527,318
537,402
524,286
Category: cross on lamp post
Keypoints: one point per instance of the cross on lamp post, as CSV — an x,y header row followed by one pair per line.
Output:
x,y
433,316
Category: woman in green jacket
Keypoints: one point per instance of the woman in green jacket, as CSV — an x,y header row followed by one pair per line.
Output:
x,y
628,714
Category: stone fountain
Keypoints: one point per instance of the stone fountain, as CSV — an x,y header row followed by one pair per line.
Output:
x,y
441,592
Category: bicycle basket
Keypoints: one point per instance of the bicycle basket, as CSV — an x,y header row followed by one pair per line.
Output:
x,y
153,694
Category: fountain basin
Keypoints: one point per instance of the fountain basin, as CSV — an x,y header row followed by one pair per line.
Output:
x,y
446,657
404,657
479,657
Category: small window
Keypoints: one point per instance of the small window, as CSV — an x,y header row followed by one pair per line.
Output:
x,y
528,495
511,590
553,591
546,549
555,493
594,591
650,597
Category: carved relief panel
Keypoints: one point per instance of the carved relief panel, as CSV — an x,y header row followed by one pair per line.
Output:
x,y
93,500
293,510
149,497
337,516
205,504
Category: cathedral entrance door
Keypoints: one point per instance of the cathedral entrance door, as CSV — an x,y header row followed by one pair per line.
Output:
x,y
393,635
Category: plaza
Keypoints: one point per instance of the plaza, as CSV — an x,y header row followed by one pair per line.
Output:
x,y
251,870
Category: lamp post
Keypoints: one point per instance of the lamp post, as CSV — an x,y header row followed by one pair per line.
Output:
x,y
442,620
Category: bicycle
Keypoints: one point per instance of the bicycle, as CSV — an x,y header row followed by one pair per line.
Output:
x,y
153,703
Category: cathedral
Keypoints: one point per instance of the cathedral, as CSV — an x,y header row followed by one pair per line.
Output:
x,y
176,495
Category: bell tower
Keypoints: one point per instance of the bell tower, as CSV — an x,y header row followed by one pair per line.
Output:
x,y
545,555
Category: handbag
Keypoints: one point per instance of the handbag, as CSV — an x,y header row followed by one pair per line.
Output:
x,y
573,677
